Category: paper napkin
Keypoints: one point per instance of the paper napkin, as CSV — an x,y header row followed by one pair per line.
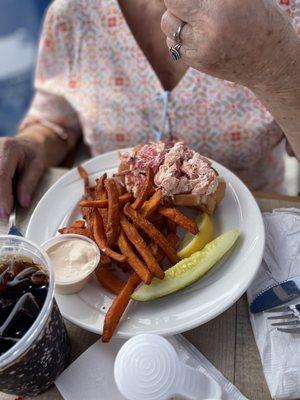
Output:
x,y
91,376
280,352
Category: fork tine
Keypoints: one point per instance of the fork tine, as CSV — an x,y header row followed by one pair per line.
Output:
x,y
278,309
291,330
285,316
287,323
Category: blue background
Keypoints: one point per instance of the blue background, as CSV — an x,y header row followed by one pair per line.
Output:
x,y
24,17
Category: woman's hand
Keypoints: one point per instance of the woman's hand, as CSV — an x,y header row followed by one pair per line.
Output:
x,y
250,42
22,163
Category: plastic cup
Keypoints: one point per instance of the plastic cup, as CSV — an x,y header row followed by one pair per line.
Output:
x,y
34,362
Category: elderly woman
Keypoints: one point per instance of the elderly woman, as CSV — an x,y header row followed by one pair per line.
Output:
x,y
104,71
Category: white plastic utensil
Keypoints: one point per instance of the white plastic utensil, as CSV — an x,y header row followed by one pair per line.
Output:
x,y
147,367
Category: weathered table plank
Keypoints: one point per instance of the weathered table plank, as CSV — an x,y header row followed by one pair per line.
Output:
x,y
216,341
249,378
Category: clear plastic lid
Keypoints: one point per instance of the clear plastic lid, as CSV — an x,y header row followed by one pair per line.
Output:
x,y
147,367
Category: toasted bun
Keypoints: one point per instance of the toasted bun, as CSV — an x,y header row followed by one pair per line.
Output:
x,y
206,204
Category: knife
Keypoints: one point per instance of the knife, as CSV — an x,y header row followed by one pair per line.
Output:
x,y
276,295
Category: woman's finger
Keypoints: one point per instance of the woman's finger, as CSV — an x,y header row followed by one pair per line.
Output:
x,y
185,10
9,160
28,181
6,196
170,25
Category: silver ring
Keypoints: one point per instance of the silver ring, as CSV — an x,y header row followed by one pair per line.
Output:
x,y
175,52
177,34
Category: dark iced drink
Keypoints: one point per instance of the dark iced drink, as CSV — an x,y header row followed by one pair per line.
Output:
x,y
34,347
23,290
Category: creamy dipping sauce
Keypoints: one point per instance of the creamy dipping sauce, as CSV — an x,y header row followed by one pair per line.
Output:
x,y
72,259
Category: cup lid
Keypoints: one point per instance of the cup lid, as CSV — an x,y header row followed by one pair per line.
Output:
x,y
145,368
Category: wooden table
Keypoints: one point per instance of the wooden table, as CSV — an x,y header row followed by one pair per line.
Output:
x,y
227,341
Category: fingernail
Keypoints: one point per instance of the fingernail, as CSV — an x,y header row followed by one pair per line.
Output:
x,y
26,201
3,213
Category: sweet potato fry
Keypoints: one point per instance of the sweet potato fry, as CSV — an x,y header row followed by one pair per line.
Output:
x,y
92,192
120,187
100,194
123,199
154,233
100,189
112,254
133,260
74,230
155,219
84,212
151,205
158,221
171,225
78,224
101,240
85,176
172,238
113,218
118,307
109,280
157,252
180,219
88,216
145,192
138,242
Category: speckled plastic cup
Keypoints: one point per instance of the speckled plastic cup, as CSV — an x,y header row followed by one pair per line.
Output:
x,y
33,363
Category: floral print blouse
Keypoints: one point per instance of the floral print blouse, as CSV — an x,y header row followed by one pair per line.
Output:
x,y
93,77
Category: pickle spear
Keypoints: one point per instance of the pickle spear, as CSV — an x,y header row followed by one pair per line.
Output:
x,y
188,270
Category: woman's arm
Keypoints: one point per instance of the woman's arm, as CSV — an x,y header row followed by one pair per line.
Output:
x,y
250,42
281,96
24,158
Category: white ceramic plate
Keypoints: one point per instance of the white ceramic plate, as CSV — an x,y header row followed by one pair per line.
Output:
x,y
189,308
